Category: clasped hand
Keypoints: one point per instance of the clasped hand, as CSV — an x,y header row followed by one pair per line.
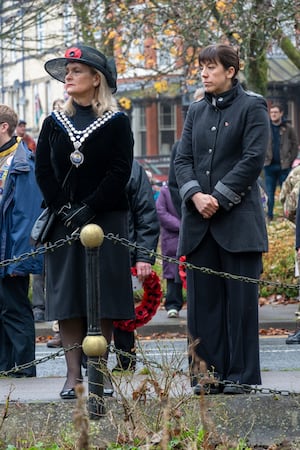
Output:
x,y
206,204
75,216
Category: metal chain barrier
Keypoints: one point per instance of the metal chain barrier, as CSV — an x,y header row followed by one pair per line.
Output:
x,y
190,266
131,245
21,367
154,364
125,242
41,250
149,363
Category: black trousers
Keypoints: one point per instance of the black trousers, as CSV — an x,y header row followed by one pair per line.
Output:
x,y
38,292
17,332
223,313
124,341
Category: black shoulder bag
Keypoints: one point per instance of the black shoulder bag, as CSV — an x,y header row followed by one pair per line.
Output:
x,y
43,224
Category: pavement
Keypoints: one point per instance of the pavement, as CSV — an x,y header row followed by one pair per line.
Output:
x,y
281,316
45,390
270,316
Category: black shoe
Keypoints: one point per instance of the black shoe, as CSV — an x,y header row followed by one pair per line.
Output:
x,y
235,389
123,368
108,392
207,389
68,394
293,338
38,315
55,342
23,375
108,389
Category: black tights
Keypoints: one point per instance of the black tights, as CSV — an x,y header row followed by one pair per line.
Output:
x,y
72,332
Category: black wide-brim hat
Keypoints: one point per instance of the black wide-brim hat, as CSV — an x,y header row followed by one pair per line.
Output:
x,y
86,55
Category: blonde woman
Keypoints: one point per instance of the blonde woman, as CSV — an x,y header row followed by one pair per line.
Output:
x,y
83,163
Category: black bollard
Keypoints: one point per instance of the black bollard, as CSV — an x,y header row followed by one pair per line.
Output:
x,y
94,344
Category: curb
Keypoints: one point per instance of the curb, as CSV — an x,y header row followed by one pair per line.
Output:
x,y
275,316
45,328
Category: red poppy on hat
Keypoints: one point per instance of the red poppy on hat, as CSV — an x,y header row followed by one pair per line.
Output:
x,y
73,52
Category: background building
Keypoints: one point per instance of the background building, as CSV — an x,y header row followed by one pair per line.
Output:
x,y
156,100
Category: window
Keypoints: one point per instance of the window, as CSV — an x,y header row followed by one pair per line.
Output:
x,y
139,130
40,33
167,127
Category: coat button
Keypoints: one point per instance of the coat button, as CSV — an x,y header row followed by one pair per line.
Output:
x,y
230,204
207,172
213,128
210,150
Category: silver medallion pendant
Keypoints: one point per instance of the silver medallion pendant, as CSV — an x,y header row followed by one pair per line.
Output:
x,y
78,137
77,158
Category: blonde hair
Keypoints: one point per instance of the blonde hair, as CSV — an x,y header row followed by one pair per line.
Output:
x,y
9,116
103,99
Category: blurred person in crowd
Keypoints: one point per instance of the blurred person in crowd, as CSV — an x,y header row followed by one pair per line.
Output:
x,y
289,193
82,185
144,232
172,182
155,187
170,225
38,280
281,152
22,133
289,196
20,205
219,158
58,104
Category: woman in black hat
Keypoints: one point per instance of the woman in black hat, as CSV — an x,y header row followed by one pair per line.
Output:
x,y
83,163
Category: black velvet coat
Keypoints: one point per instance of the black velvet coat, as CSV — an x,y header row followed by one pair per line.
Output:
x,y
101,180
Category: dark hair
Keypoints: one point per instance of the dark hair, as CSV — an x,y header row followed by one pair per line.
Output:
x,y
225,54
277,105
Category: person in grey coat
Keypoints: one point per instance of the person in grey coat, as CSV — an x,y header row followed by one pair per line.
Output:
x,y
220,156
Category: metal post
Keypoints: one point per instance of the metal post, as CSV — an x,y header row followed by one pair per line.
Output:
x,y
94,344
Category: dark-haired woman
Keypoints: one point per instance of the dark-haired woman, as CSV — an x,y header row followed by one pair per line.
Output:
x,y
220,156
83,163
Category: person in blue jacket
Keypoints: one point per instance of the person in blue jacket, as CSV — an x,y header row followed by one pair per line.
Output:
x,y
20,205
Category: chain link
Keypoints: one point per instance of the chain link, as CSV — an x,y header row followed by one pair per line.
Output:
x,y
125,242
148,363
189,266
35,362
131,245
49,247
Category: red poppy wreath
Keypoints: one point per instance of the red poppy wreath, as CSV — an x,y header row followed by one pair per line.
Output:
x,y
182,271
148,306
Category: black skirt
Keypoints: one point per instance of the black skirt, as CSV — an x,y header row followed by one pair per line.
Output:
x,y
66,295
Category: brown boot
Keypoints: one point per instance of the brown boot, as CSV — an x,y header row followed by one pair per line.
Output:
x,y
55,342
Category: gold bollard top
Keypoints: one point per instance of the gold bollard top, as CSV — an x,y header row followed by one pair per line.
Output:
x,y
91,235
95,345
